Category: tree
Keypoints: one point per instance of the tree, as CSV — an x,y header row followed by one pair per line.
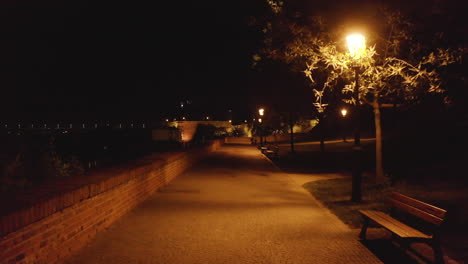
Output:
x,y
396,69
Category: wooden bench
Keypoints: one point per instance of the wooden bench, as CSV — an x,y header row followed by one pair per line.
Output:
x,y
432,217
272,151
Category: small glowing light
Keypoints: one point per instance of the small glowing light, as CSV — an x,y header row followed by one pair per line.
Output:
x,y
83,125
207,118
120,125
95,125
259,120
230,121
344,112
245,121
254,119
183,118
131,125
175,119
167,120
356,45
261,111
144,126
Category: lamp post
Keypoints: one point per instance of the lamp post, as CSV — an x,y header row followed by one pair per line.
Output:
x,y
261,112
344,112
357,47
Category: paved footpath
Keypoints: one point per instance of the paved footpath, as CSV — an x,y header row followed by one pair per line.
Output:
x,y
234,207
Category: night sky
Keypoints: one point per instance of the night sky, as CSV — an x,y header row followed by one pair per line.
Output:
x,y
80,59
70,60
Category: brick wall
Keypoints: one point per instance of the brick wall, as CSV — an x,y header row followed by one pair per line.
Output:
x,y
51,229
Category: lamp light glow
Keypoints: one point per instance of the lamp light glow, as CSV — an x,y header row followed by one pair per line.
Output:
x,y
356,45
261,111
344,112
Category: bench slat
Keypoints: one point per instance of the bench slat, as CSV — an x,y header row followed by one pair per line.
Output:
x,y
430,209
393,225
416,212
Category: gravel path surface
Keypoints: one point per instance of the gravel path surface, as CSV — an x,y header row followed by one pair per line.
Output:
x,y
233,207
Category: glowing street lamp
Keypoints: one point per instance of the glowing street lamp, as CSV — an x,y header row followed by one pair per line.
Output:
x,y
356,47
344,112
261,112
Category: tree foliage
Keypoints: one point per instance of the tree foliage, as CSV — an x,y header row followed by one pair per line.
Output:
x,y
395,68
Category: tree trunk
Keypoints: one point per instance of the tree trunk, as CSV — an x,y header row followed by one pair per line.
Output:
x,y
322,133
380,178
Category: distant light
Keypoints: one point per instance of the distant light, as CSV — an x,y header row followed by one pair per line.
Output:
x,y
344,112
245,121
120,125
183,118
261,111
230,110
167,120
259,120
144,126
230,121
83,125
95,125
175,119
71,125
207,118
131,125
254,119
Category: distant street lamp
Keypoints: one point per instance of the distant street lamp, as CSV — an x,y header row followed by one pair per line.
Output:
x,y
261,112
344,112
357,47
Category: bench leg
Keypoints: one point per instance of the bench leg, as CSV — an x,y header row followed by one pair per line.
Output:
x,y
362,234
438,254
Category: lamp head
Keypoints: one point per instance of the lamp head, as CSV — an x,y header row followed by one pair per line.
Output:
x,y
356,45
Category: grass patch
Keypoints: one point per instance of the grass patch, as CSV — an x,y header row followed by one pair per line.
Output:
x,y
335,194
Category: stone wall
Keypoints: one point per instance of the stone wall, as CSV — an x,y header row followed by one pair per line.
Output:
x,y
67,215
